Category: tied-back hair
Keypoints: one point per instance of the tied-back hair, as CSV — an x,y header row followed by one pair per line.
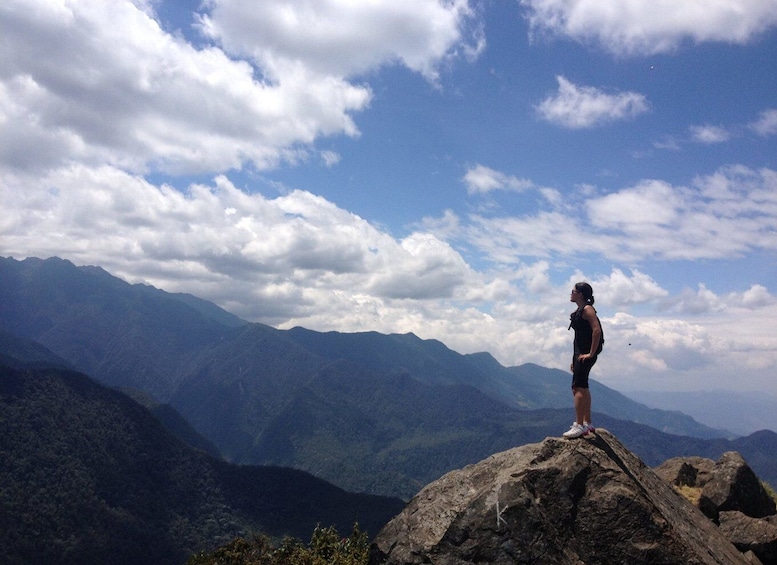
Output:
x,y
588,293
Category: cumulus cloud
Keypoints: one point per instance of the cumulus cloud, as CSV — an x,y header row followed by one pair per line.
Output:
x,y
621,290
241,247
135,97
722,215
337,38
648,27
694,302
709,134
579,107
482,179
766,124
104,83
725,214
703,300
757,296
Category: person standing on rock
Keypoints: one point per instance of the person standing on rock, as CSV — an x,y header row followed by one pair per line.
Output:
x,y
587,346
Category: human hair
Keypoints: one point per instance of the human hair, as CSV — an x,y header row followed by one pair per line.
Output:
x,y
588,293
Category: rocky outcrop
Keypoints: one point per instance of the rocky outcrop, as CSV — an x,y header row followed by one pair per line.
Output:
x,y
732,495
686,471
750,534
560,501
734,486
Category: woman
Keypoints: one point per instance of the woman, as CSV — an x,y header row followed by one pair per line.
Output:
x,y
588,341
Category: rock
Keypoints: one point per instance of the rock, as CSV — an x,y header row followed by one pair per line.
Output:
x,y
560,501
750,534
686,471
734,486
752,558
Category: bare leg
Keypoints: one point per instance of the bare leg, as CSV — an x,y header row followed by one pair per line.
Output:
x,y
579,395
586,405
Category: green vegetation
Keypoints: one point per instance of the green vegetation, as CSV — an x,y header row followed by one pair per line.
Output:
x,y
326,547
88,476
769,490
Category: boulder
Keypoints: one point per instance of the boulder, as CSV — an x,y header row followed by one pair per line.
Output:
x,y
734,486
686,471
750,534
560,501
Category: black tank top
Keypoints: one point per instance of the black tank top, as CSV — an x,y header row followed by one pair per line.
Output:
x,y
583,332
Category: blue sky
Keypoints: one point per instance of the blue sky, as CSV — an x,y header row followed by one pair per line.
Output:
x,y
448,168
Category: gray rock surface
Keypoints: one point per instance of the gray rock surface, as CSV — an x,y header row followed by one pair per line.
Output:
x,y
750,534
686,471
583,501
734,486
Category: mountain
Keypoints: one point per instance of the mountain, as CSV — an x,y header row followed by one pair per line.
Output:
x,y
123,335
18,352
140,337
90,476
174,422
368,412
528,386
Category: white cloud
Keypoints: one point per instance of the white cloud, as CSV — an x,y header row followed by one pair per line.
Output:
x,y
584,106
330,158
709,134
667,143
700,301
103,83
757,296
298,259
703,300
621,291
482,179
648,27
341,38
641,208
766,123
240,247
723,215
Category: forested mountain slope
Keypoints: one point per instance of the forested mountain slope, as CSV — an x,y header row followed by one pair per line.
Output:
x,y
90,476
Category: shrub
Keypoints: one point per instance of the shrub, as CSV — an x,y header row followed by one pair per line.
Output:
x,y
326,547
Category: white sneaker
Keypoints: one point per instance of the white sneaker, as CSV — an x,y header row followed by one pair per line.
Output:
x,y
589,427
575,431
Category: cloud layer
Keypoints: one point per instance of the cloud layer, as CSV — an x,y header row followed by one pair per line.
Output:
x,y
297,259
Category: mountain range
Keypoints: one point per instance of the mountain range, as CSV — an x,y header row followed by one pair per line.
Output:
x,y
368,412
90,476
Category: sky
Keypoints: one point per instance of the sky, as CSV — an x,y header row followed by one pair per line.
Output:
x,y
443,167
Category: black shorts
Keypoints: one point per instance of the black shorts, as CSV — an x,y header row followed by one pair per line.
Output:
x,y
580,371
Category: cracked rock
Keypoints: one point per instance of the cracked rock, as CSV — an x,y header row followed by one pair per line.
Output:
x,y
560,501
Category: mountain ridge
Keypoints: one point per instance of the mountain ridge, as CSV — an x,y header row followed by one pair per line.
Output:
x,y
249,388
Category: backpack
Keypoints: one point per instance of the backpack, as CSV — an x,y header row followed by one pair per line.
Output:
x,y
601,338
